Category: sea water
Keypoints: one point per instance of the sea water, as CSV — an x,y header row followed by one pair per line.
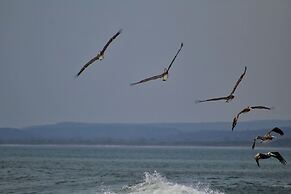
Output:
x,y
131,169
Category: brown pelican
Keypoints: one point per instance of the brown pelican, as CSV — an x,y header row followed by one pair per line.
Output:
x,y
277,155
245,110
268,137
230,96
100,55
164,75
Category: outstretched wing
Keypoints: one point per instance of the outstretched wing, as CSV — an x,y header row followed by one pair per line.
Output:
x,y
238,81
279,157
234,122
109,41
87,64
148,79
261,107
175,57
277,130
254,143
245,110
212,99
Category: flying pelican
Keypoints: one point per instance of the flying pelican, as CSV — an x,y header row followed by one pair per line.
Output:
x,y
164,75
100,54
268,137
230,96
248,109
277,155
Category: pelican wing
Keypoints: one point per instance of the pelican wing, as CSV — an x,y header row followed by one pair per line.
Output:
x,y
254,143
261,107
212,99
279,157
175,57
238,81
234,122
109,41
257,160
87,64
148,79
235,119
277,130
245,110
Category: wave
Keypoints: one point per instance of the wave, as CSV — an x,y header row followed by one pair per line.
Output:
x,y
154,183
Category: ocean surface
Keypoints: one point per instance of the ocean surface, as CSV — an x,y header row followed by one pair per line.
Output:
x,y
129,169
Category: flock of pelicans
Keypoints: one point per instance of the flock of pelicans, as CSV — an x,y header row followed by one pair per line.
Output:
x,y
265,138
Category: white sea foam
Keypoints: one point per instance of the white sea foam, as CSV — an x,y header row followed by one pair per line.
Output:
x,y
154,183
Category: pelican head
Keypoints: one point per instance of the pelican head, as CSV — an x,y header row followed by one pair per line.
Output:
x,y
100,56
166,74
229,98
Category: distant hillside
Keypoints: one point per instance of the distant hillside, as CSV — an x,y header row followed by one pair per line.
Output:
x,y
145,134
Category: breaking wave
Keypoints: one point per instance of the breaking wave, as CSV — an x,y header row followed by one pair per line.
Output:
x,y
154,183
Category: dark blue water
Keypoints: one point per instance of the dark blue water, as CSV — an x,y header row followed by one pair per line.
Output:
x,y
105,169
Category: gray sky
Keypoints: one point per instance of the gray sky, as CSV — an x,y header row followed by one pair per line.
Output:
x,y
43,44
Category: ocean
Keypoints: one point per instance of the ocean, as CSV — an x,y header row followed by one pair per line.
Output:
x,y
145,170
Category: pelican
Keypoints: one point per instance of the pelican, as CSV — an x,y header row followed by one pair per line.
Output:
x,y
248,109
100,54
230,96
268,137
164,75
277,155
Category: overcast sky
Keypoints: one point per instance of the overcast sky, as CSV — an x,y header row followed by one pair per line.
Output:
x,y
43,45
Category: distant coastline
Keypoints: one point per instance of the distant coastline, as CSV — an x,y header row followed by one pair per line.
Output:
x,y
159,134
269,147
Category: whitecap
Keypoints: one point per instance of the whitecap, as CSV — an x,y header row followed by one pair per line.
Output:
x,y
154,183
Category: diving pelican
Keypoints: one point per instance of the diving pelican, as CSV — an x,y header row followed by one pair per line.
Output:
x,y
100,54
164,75
230,96
276,155
268,137
248,109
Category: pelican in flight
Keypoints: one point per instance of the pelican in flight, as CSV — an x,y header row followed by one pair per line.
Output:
x,y
100,54
276,155
230,96
245,110
164,75
268,137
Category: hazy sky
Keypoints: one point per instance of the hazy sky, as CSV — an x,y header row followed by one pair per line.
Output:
x,y
43,44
